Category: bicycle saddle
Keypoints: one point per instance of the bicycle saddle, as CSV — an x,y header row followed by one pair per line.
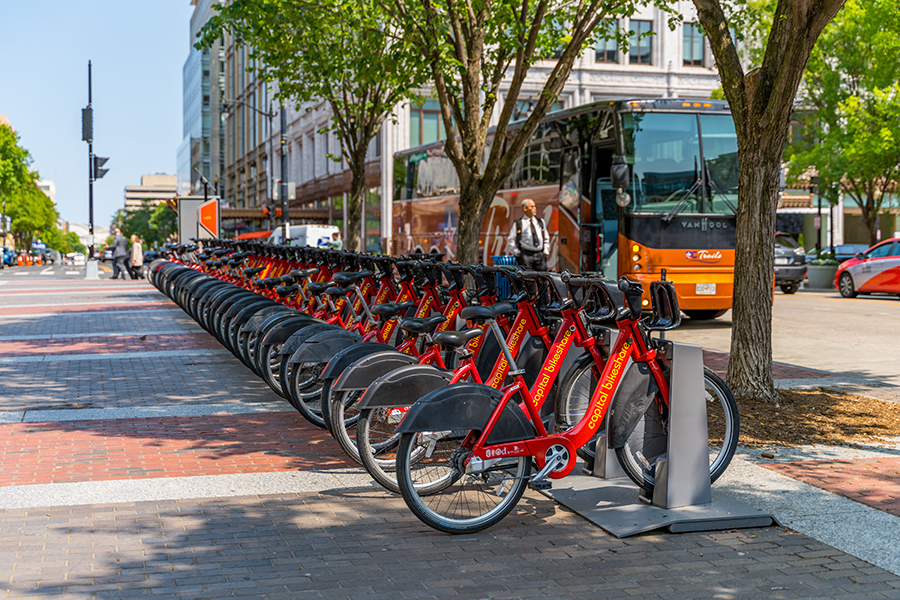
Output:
x,y
319,287
301,274
456,339
421,325
345,279
476,313
253,271
286,290
392,309
269,282
338,291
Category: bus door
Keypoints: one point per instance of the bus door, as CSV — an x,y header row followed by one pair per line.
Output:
x,y
600,220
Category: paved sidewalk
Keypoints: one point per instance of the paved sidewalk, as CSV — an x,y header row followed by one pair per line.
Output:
x,y
167,469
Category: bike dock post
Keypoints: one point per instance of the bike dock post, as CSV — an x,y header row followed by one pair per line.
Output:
x,y
682,498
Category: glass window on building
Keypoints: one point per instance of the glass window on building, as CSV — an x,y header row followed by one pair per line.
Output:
x,y
640,43
693,45
425,123
607,47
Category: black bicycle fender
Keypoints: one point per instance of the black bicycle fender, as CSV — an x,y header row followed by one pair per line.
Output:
x,y
244,314
284,330
632,399
299,336
351,355
321,347
255,322
467,406
403,386
360,374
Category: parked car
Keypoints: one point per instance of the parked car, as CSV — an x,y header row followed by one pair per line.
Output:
x,y
842,252
75,258
790,263
49,256
875,270
107,255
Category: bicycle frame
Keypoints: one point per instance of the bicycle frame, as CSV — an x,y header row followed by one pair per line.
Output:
x,y
631,342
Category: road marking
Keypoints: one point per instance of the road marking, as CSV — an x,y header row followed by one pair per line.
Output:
x,y
3,282
121,290
73,272
23,273
47,271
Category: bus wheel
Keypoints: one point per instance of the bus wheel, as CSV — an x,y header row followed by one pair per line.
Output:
x,y
704,315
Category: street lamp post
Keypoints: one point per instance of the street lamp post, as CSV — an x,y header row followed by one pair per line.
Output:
x,y
227,106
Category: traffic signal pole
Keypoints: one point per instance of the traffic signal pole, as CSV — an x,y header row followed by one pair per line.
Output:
x,y
94,172
286,237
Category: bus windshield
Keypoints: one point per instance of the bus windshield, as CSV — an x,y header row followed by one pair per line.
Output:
x,y
681,163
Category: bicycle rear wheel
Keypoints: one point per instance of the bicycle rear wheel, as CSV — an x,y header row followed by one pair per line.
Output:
x,y
649,441
344,417
461,502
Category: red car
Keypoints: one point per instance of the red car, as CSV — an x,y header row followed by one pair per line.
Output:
x,y
875,270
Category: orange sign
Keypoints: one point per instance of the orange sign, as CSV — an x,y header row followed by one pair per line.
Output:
x,y
209,217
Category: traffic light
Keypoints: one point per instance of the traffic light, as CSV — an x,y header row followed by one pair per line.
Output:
x,y
87,124
99,172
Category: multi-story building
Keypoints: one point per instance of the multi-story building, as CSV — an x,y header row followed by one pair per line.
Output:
x,y
154,189
203,88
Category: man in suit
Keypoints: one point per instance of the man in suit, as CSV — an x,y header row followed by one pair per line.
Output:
x,y
528,240
120,252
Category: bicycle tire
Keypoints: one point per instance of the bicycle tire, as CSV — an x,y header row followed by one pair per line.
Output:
x,y
344,417
639,455
269,364
463,503
306,391
377,443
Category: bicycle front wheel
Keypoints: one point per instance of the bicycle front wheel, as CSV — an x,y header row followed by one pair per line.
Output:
x,y
462,502
649,441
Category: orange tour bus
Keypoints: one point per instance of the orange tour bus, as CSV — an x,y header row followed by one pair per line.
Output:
x,y
676,213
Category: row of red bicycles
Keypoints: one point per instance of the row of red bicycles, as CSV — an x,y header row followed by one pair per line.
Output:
x,y
448,394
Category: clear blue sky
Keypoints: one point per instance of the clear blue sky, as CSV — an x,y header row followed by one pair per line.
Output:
x,y
137,50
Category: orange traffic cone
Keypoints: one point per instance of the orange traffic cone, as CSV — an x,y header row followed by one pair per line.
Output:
x,y
20,261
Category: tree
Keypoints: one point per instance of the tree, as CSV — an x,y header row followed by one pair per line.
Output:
x,y
852,130
152,224
14,172
31,211
761,101
477,50
341,52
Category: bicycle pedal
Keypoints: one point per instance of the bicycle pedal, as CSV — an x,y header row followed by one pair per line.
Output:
x,y
540,485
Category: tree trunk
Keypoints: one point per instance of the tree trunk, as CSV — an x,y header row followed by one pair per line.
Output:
x,y
357,198
750,367
474,201
870,220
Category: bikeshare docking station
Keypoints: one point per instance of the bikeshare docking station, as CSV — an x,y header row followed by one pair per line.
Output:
x,y
682,499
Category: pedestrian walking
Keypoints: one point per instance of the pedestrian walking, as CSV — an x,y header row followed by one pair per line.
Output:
x,y
120,253
137,257
528,240
336,242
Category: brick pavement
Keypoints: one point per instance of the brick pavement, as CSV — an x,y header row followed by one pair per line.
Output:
x,y
97,321
338,543
108,449
109,345
102,382
360,543
18,310
874,482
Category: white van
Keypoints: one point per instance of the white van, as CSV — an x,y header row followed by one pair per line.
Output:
x,y
317,236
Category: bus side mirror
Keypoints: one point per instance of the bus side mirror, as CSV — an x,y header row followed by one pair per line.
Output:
x,y
618,176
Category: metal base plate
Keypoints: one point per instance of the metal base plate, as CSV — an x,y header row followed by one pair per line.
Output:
x,y
615,507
